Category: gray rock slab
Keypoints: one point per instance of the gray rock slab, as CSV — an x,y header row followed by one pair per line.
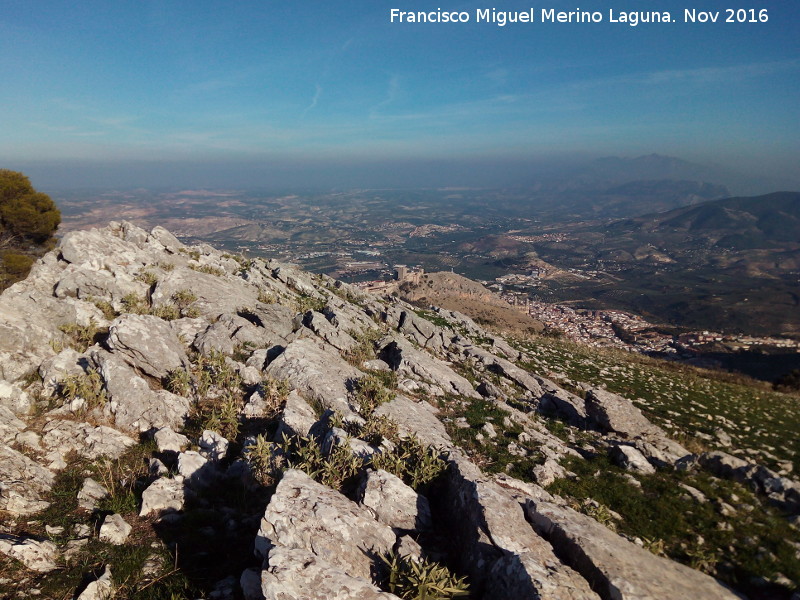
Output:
x,y
404,358
134,406
416,418
40,556
23,483
489,525
14,398
336,337
616,567
62,437
318,371
216,295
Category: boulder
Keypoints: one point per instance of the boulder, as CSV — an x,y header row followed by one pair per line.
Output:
x,y
169,441
560,402
163,495
611,412
297,574
630,459
297,417
394,503
306,515
213,446
114,530
90,494
148,344
101,588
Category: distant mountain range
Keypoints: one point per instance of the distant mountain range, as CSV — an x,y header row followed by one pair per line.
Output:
x,y
736,223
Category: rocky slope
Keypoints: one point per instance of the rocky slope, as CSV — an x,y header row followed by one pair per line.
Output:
x,y
261,432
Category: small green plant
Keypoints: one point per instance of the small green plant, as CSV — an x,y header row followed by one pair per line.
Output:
x,y
179,381
413,462
208,270
80,337
364,348
168,312
703,559
334,469
88,386
133,303
421,579
147,277
275,392
165,266
377,429
105,307
223,417
370,393
265,462
193,254
266,297
306,303
183,299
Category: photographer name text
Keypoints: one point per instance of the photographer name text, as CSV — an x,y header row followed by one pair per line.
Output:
x,y
501,18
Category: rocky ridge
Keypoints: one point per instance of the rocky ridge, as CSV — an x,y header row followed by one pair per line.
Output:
x,y
330,413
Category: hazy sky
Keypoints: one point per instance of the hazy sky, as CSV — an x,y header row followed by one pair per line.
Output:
x,y
302,86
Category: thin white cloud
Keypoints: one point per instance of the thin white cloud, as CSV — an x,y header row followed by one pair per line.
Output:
x,y
314,100
391,95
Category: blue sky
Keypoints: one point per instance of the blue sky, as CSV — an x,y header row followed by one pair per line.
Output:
x,y
305,83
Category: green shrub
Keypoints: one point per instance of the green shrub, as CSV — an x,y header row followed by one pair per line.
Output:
x,y
208,269
370,393
179,381
265,463
333,469
413,462
88,386
422,579
105,307
80,337
147,277
133,303
306,303
364,349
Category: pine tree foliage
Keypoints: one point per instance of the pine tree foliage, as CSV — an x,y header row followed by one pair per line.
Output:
x,y
28,220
